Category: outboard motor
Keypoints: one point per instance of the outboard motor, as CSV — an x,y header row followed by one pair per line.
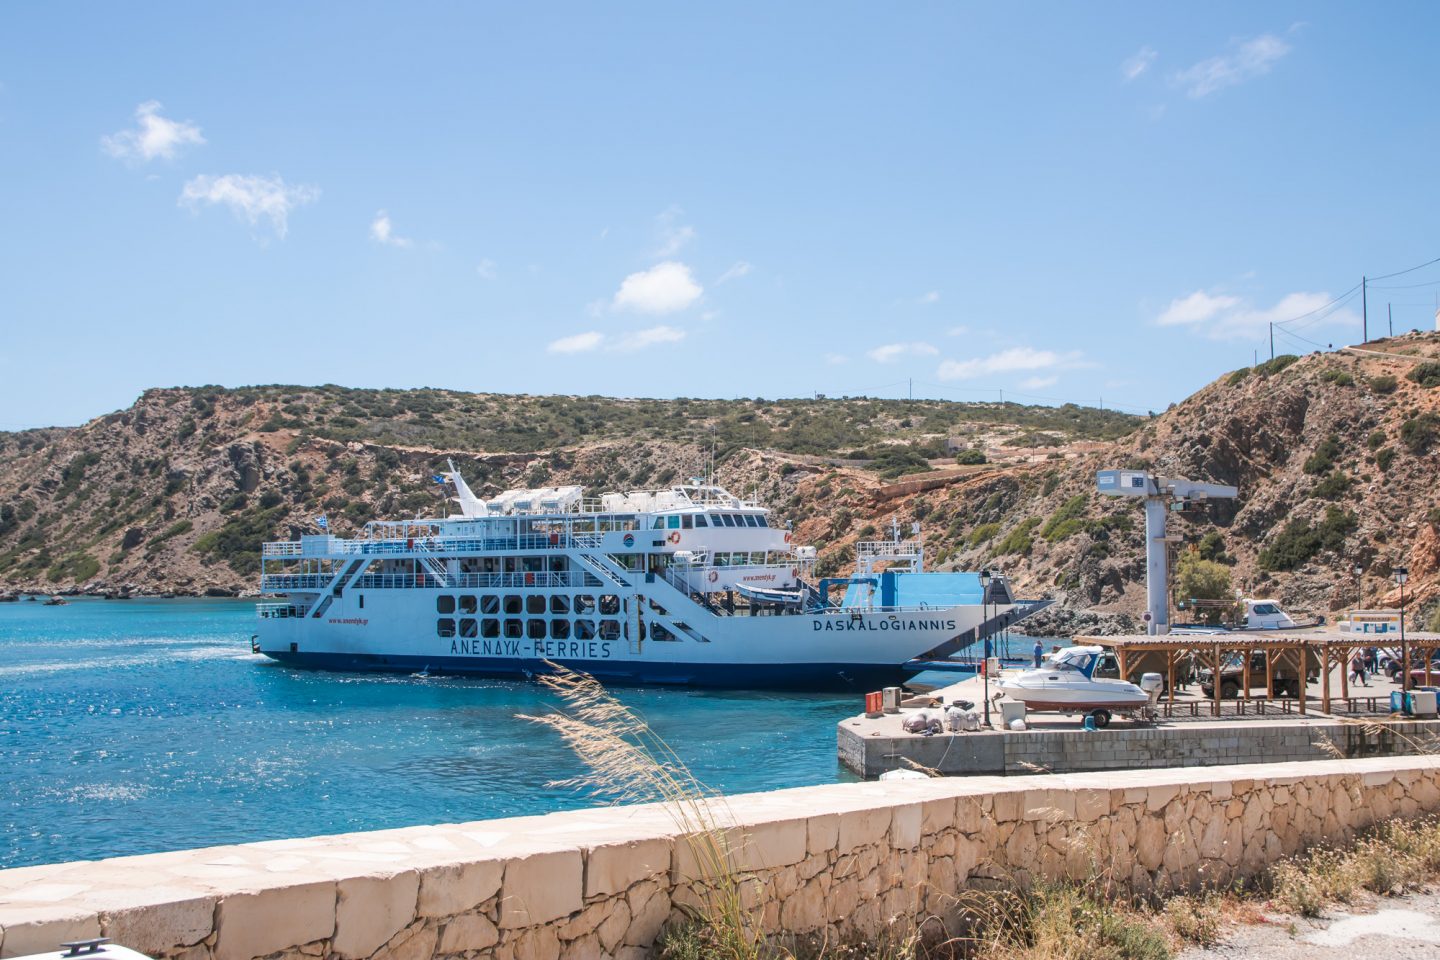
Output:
x,y
1152,684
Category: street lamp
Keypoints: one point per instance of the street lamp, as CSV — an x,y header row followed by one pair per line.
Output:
x,y
985,647
1401,575
1359,590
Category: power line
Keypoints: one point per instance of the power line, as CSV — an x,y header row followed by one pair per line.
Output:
x,y
1398,273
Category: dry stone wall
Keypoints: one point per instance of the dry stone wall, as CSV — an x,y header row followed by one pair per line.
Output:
x,y
602,883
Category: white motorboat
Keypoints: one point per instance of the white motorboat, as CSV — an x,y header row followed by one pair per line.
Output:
x,y
1066,683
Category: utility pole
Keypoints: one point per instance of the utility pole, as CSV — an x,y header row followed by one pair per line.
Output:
x,y
1272,341
911,389
1390,319
1002,397
1364,310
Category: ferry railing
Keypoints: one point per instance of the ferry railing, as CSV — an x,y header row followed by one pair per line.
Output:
x,y
281,548
278,582
478,581
275,611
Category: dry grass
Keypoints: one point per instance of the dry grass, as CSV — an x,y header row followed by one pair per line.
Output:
x,y
1396,856
630,763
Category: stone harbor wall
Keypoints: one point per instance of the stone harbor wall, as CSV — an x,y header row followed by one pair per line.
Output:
x,y
602,882
870,748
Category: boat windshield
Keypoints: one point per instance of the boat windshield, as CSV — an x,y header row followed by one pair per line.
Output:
x,y
1077,662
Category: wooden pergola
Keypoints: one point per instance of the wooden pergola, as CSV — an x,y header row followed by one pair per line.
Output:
x,y
1300,648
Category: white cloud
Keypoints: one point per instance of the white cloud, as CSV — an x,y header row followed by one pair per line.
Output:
x,y
1012,360
1135,66
250,197
154,136
1038,383
1246,60
625,343
486,269
640,339
957,331
1234,318
664,288
1195,308
673,234
577,343
891,352
382,232
836,359
738,270
932,297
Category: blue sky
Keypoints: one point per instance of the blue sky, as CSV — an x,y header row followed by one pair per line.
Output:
x,y
1055,200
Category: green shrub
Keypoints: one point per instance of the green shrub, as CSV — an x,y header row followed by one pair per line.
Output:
x,y
1332,486
983,534
1066,521
78,567
1384,457
1237,377
1338,377
1275,364
1019,539
1324,456
968,458
1299,541
1376,440
1425,374
1384,383
1418,433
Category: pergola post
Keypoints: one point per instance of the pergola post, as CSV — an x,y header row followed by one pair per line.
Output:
x,y
1270,674
1325,679
1215,681
1245,677
1345,673
1170,669
1302,685
1124,668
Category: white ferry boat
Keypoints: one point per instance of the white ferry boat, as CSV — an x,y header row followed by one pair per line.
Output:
x,y
690,585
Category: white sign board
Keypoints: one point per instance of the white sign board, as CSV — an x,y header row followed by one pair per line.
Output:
x,y
1123,483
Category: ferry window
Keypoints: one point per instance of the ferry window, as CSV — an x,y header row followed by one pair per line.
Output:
x,y
490,627
584,629
673,522
468,626
560,629
512,604
700,520
535,629
727,519
687,521
721,559
658,632
445,628
444,604
490,603
362,600
762,521
750,520
609,629
535,603
658,524
584,603
559,604
467,604
609,604
514,629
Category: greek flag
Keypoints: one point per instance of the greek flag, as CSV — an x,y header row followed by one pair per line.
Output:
x,y
322,523
438,479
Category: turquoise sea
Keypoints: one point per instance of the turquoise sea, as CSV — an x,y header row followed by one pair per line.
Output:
x,y
146,725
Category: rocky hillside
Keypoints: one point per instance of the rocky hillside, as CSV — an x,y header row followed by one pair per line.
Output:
x,y
176,493
1335,456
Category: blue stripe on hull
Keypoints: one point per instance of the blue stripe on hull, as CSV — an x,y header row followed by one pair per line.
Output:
x,y
789,676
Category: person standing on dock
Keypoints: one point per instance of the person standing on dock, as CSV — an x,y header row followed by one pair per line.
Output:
x,y
1039,653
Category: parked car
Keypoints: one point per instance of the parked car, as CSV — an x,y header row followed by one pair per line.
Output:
x,y
1232,676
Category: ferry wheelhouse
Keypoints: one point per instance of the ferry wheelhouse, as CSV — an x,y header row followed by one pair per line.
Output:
x,y
690,585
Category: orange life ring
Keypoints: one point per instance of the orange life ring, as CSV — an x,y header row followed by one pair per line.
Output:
x,y
713,576
675,537
787,536
529,579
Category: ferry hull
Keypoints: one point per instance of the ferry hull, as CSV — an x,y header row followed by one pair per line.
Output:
x,y
819,676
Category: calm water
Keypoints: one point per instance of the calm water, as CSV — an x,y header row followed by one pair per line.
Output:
x,y
144,725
